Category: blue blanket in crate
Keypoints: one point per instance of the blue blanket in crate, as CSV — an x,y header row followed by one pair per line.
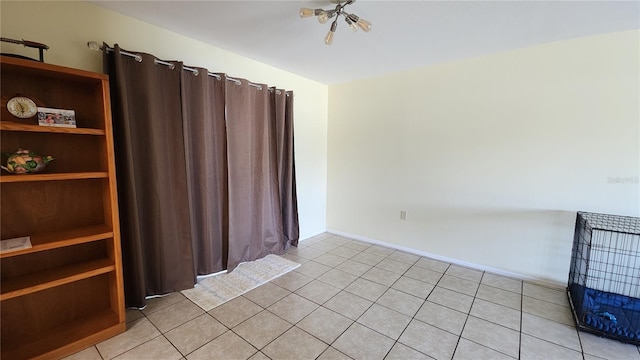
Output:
x,y
612,313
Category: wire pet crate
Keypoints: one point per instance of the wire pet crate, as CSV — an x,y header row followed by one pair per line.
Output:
x,y
604,277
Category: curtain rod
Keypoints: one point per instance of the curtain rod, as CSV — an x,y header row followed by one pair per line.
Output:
x,y
97,47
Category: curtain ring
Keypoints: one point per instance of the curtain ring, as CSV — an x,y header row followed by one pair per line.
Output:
x,y
170,65
196,72
238,82
138,58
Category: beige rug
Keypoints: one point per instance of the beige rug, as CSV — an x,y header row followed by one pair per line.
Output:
x,y
215,290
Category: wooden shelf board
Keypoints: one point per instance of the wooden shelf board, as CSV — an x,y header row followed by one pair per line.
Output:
x,y
48,69
13,126
13,178
54,240
66,338
27,284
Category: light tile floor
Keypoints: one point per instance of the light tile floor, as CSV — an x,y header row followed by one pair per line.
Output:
x,y
351,299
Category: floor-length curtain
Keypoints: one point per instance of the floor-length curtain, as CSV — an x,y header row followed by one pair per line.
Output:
x,y
206,158
255,216
283,119
205,169
151,174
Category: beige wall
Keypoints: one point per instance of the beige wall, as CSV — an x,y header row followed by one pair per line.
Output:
x,y
491,157
67,26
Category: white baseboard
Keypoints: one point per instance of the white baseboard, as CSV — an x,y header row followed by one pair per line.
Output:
x,y
309,236
543,282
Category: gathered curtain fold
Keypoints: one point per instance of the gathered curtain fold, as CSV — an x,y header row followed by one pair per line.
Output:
x,y
205,169
205,138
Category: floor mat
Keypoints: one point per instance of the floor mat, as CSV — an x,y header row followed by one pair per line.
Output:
x,y
214,291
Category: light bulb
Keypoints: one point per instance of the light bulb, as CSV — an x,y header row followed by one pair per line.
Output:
x,y
323,17
352,25
306,12
364,25
329,38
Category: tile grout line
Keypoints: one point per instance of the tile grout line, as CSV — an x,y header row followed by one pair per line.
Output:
x,y
413,317
521,320
468,315
489,321
162,333
137,346
214,338
396,341
372,302
322,305
228,328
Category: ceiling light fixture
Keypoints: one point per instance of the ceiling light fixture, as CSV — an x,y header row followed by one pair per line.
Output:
x,y
323,16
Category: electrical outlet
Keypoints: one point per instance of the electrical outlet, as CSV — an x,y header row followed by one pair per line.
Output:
x,y
403,215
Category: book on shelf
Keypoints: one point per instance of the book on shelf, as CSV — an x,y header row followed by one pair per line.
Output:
x,y
15,244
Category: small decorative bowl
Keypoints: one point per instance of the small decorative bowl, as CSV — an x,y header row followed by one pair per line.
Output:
x,y
26,162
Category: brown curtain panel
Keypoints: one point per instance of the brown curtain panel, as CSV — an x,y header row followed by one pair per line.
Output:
x,y
205,168
206,159
255,216
152,177
286,164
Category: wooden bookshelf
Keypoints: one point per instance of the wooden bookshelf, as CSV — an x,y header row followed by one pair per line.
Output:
x,y
65,292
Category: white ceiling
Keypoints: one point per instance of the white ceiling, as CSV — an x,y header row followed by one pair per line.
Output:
x,y
405,34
